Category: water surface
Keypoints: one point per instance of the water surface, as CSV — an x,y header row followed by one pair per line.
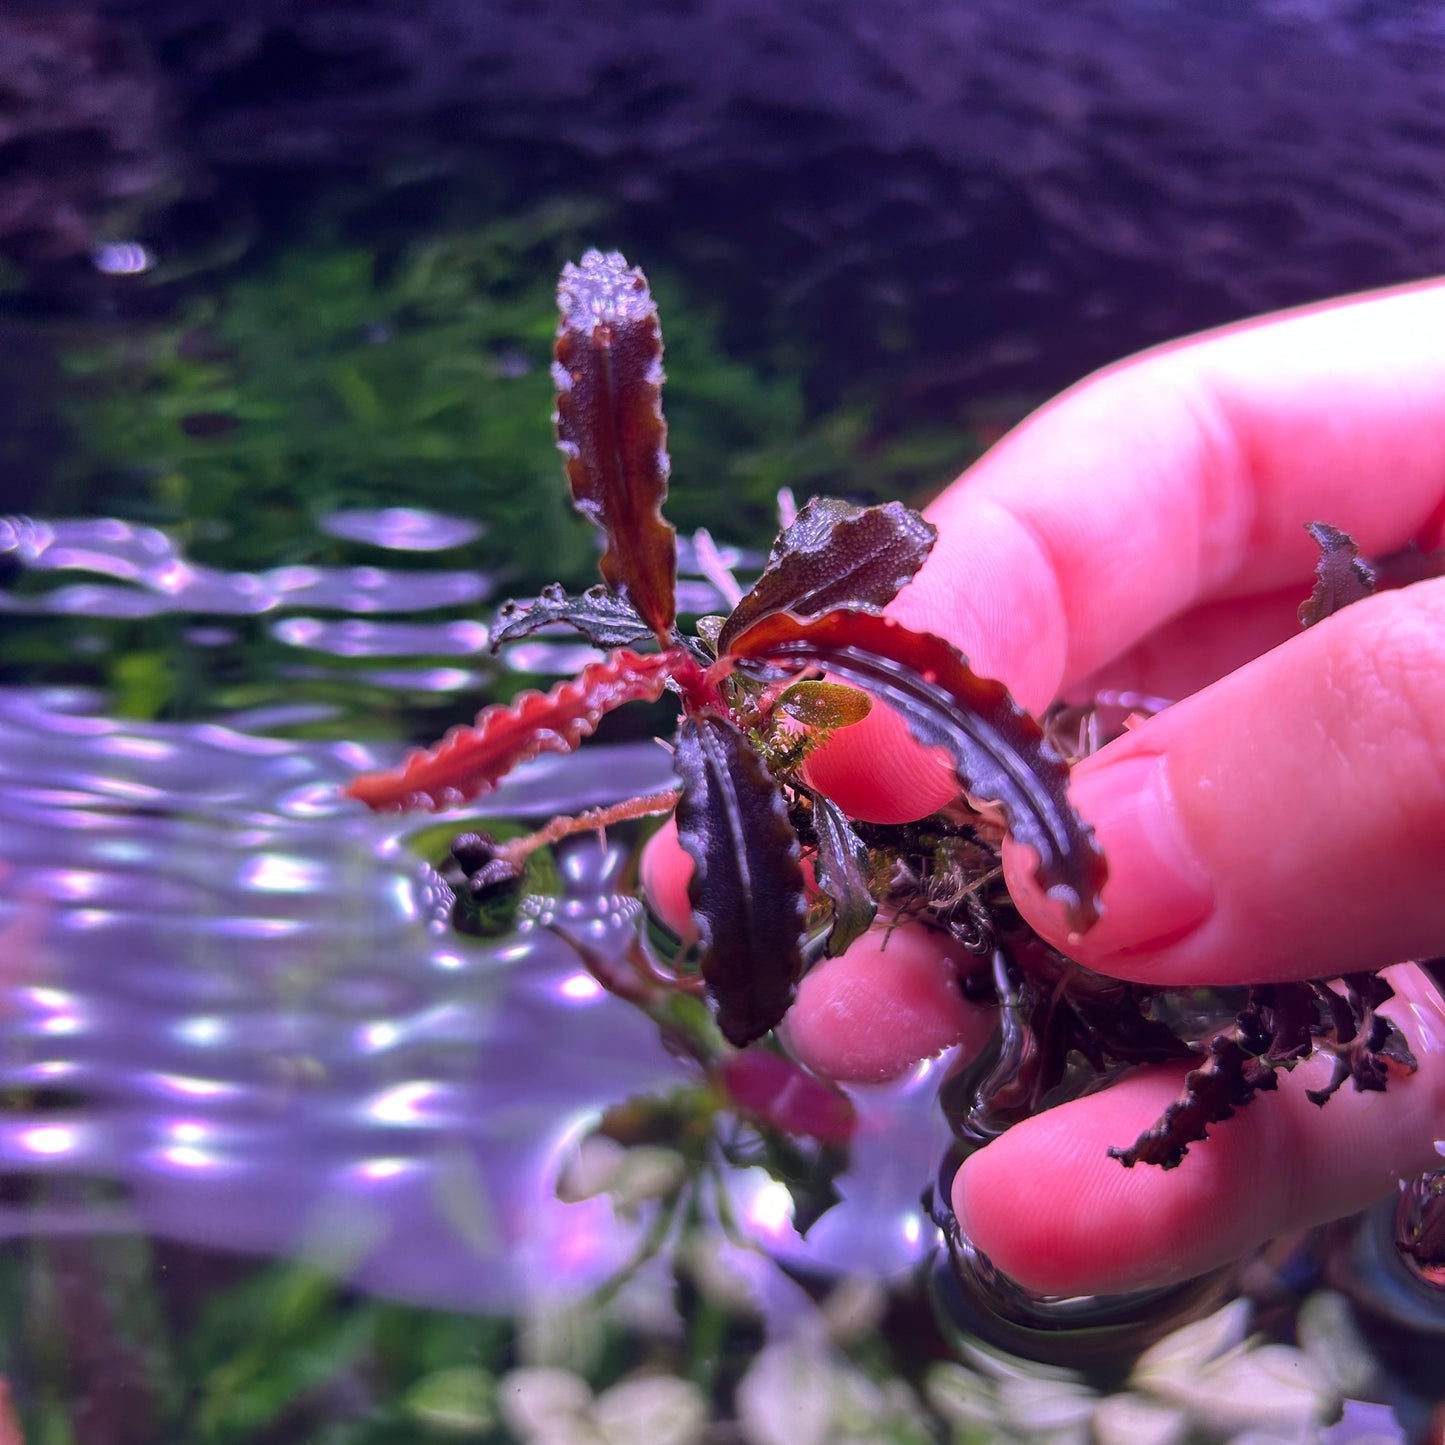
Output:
x,y
234,998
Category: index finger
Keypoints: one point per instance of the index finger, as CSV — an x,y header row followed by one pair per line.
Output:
x,y
1177,477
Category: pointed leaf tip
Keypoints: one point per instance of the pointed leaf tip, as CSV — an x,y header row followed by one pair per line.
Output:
x,y
1342,576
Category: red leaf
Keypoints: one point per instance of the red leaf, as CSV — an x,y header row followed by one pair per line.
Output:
x,y
472,760
998,749
610,428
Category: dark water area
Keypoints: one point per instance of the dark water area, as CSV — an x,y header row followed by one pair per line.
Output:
x,y
284,1154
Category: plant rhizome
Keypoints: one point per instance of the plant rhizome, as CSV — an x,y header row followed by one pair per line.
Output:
x,y
781,874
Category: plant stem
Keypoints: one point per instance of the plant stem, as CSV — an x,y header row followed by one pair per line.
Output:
x,y
594,819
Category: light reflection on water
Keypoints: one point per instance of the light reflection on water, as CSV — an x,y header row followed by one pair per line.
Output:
x,y
164,581
235,996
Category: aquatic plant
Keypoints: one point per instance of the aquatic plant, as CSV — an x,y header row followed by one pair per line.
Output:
x,y
781,874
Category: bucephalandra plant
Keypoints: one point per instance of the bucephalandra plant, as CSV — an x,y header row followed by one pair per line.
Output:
x,y
780,872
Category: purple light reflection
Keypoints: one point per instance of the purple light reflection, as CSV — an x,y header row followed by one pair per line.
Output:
x,y
269,1024
355,638
50,1140
182,1086
189,1158
559,659
401,528
281,873
192,1147
165,581
424,679
122,258
258,927
766,1205
409,1104
378,1171
580,988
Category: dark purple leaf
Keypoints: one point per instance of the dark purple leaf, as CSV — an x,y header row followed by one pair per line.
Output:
x,y
1229,1079
1280,1025
1363,1041
836,555
486,865
1342,576
998,749
610,428
601,616
841,868
747,883
1409,565
1054,1013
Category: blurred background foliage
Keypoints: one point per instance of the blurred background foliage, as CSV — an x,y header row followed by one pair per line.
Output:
x,y
368,361
336,375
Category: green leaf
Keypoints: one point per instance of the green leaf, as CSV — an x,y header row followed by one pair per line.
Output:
x,y
460,1402
818,704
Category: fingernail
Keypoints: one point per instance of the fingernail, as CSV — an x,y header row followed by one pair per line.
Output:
x,y
1158,891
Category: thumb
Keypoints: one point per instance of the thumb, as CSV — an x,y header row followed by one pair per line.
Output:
x,y
1286,822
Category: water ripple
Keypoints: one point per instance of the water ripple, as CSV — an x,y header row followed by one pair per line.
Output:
x,y
259,1004
234,996
404,529
165,581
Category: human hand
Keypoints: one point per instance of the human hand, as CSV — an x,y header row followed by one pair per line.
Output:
x,y
1285,821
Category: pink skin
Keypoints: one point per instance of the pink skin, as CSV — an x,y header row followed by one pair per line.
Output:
x,y
903,981
665,873
1050,1208
1146,530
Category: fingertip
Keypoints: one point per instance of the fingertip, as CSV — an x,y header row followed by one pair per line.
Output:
x,y
891,1000
875,771
664,873
1219,817
1049,1207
